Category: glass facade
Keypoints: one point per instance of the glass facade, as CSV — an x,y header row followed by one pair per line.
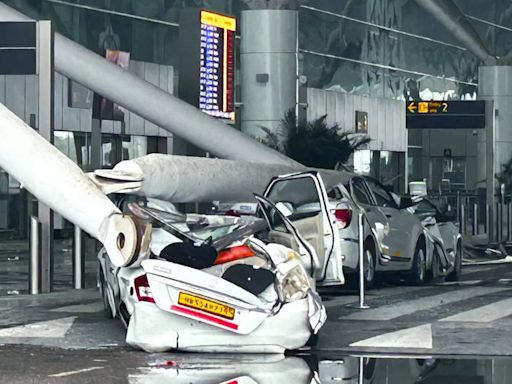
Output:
x,y
378,48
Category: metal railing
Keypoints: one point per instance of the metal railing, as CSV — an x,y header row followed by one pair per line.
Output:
x,y
474,214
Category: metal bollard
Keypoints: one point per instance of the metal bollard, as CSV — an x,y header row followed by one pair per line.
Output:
x,y
35,257
487,220
78,259
475,219
362,304
462,224
361,370
509,224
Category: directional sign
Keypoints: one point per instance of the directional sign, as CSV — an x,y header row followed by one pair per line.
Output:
x,y
445,114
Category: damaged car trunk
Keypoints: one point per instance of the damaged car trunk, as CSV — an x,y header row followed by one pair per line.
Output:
x,y
216,283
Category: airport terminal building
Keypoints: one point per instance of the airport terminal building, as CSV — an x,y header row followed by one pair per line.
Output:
x,y
360,63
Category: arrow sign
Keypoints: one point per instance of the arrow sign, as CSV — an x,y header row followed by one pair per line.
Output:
x,y
411,107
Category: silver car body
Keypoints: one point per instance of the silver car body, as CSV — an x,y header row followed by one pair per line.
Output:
x,y
396,233
444,240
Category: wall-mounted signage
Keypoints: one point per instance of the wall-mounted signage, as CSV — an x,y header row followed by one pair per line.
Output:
x,y
18,48
445,114
361,122
207,43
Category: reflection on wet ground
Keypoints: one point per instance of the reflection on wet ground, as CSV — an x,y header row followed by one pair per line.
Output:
x,y
314,369
47,365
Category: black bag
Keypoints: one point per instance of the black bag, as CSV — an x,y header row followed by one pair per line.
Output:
x,y
190,255
254,280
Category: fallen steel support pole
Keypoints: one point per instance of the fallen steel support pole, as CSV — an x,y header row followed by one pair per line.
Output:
x,y
152,103
60,184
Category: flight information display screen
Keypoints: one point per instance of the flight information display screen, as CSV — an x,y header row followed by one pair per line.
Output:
x,y
216,65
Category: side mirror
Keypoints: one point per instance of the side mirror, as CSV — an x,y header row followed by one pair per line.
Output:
x,y
405,202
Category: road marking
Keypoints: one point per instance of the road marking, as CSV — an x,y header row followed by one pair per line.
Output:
x,y
43,329
392,311
343,300
505,260
484,314
415,337
461,283
81,308
63,374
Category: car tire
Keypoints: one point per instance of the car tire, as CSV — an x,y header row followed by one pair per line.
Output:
x,y
370,264
457,270
419,265
435,275
107,311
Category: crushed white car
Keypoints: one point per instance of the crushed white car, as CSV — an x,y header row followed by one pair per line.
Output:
x,y
444,241
216,284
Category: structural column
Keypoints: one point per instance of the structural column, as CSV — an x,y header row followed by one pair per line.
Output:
x,y
268,57
45,126
495,146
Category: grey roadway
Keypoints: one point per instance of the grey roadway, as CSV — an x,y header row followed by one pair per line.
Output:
x,y
472,317
66,334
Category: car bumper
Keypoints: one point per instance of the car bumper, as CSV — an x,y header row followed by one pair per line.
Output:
x,y
349,254
154,330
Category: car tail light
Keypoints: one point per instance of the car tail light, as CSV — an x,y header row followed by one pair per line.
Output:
x,y
232,212
143,290
343,217
234,253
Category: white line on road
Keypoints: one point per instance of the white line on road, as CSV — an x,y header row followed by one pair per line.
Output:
x,y
342,300
392,311
43,329
416,337
484,314
63,374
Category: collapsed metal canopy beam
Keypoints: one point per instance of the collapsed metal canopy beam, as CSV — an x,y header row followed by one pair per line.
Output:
x,y
60,184
152,103
450,16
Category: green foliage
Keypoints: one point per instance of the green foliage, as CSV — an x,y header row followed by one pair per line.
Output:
x,y
313,143
504,177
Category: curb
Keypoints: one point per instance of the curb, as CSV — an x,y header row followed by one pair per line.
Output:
x,y
64,297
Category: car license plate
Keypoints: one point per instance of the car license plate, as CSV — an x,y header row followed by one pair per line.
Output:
x,y
206,305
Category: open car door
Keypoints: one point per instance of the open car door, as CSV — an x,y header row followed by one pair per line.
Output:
x,y
303,200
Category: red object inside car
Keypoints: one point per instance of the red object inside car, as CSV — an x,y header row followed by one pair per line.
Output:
x,y
234,253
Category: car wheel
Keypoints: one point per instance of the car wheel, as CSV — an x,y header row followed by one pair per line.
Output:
x,y
369,264
457,270
419,266
104,295
434,275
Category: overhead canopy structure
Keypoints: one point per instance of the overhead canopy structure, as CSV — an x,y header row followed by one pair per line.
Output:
x,y
450,16
152,103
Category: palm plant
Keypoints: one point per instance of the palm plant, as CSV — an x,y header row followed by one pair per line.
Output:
x,y
504,177
314,143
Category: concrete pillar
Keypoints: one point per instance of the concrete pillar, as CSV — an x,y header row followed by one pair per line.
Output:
x,y
46,110
495,86
268,57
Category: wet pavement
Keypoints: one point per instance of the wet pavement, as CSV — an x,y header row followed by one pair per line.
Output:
x,y
65,337
48,365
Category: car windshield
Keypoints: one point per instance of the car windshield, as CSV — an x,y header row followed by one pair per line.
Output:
x,y
299,196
